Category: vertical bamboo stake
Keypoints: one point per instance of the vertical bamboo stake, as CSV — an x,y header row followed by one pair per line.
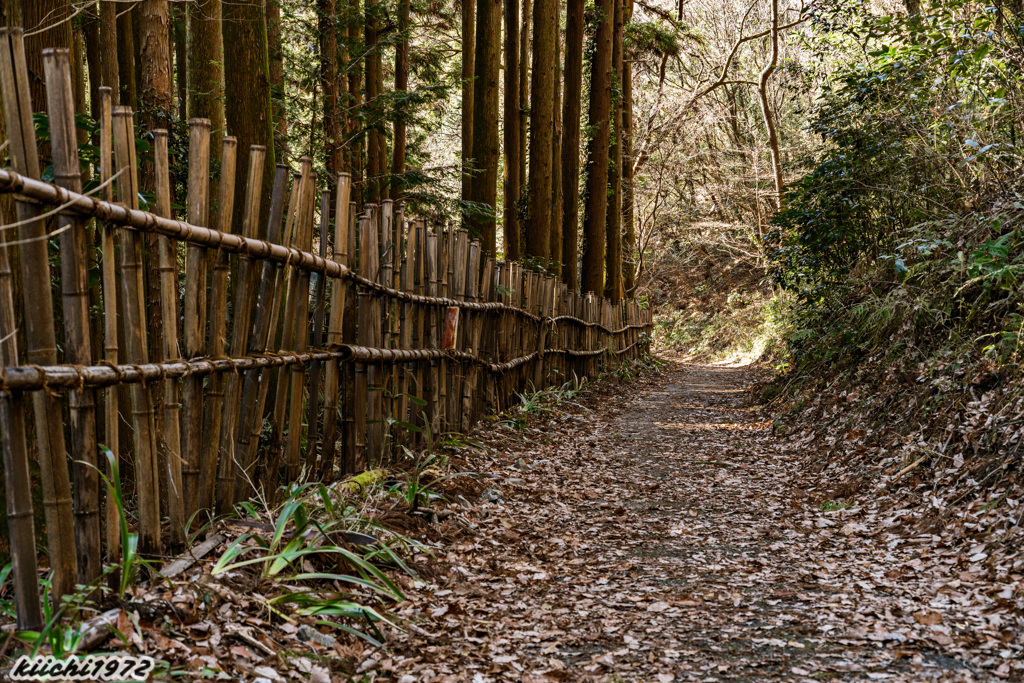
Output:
x,y
431,324
300,341
459,270
217,339
350,335
245,296
286,342
365,336
136,350
472,339
169,312
339,294
416,256
387,278
74,261
406,372
17,480
319,291
38,311
195,311
108,258
250,412
370,268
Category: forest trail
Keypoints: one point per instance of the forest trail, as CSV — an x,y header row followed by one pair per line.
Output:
x,y
669,537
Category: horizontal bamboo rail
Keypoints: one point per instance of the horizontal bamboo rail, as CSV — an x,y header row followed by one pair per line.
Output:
x,y
408,327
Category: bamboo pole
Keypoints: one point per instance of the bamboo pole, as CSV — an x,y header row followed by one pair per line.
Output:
x,y
417,338
474,330
431,322
169,312
364,337
300,341
17,480
195,312
350,318
74,262
136,350
316,369
241,327
387,319
111,429
286,338
216,341
339,294
38,311
254,389
406,375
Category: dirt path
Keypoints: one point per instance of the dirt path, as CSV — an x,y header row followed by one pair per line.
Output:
x,y
664,539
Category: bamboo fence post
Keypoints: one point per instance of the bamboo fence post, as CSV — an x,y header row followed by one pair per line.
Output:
x,y
254,387
300,341
195,311
241,326
315,370
388,251
404,371
459,269
417,338
339,294
349,335
543,298
484,398
74,262
504,341
38,311
292,232
111,428
217,339
147,480
365,338
471,338
432,317
374,372
17,480
168,269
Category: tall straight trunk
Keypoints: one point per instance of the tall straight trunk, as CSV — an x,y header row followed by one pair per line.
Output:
x,y
542,109
126,57
180,59
205,55
108,48
275,56
374,83
484,187
628,226
328,44
766,107
401,85
355,99
524,91
91,28
513,152
596,206
47,24
613,233
78,68
555,241
468,91
571,111
247,93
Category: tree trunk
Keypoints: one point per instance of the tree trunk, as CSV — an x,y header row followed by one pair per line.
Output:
x,y
468,74
355,90
629,229
205,72
513,188
524,95
47,24
328,44
126,57
276,59
571,111
484,186
91,29
180,59
555,240
401,85
247,94
766,109
613,232
542,121
375,152
596,206
155,64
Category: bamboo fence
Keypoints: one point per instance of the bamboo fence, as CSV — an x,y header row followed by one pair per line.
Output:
x,y
395,329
